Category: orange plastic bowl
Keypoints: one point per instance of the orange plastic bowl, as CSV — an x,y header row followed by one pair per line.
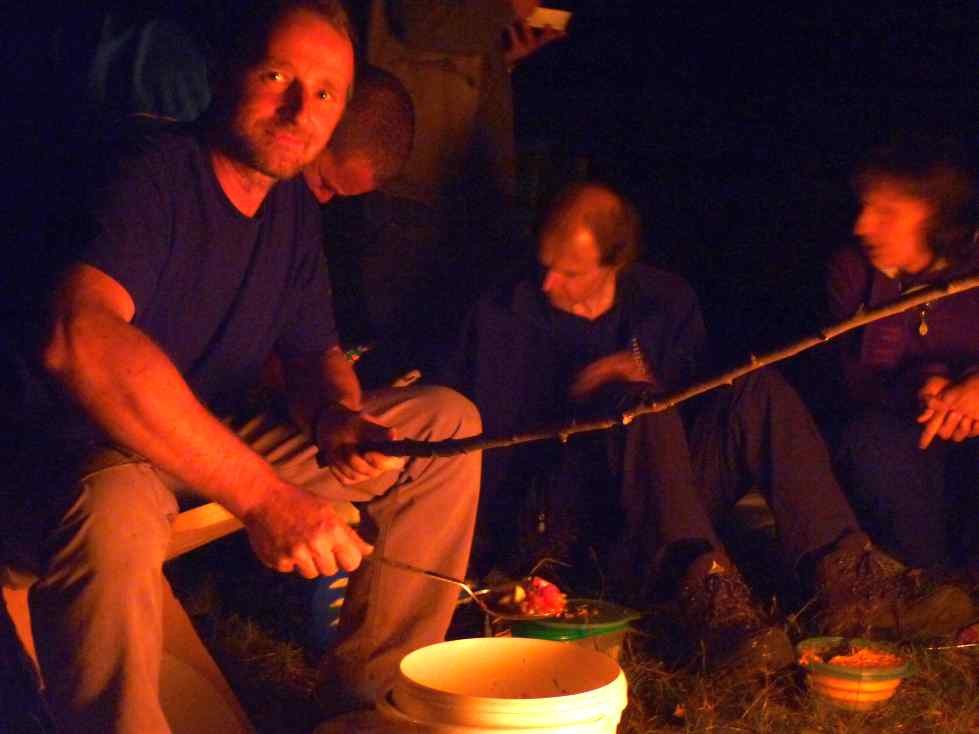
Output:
x,y
851,687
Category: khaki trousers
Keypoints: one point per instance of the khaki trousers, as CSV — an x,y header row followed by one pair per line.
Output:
x,y
102,609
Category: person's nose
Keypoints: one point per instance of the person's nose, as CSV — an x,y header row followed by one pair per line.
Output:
x,y
863,224
295,105
549,281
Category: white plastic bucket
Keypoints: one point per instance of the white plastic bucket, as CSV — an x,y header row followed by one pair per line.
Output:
x,y
493,684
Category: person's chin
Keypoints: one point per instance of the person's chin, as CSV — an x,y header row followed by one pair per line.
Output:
x,y
558,304
282,168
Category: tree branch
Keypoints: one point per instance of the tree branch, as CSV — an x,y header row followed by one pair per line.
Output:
x,y
452,447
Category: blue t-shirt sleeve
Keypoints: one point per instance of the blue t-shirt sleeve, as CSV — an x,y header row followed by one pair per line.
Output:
x,y
131,239
312,327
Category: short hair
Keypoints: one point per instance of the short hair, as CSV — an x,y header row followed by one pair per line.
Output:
x,y
245,35
378,124
936,171
605,212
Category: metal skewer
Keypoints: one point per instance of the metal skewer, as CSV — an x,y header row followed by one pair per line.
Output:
x,y
474,595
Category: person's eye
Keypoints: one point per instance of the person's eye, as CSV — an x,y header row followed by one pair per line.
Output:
x,y
275,76
325,95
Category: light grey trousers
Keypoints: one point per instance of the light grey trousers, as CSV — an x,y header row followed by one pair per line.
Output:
x,y
102,609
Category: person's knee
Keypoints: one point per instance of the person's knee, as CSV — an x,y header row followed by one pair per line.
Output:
x,y
765,384
874,434
661,421
453,415
119,522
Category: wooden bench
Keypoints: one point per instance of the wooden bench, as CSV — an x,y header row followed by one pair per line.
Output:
x,y
190,529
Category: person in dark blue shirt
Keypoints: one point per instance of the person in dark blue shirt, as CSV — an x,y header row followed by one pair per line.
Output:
x,y
201,255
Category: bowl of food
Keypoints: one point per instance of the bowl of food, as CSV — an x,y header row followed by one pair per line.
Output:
x,y
593,623
853,674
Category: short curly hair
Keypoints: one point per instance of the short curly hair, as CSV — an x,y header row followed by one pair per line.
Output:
x,y
378,124
937,171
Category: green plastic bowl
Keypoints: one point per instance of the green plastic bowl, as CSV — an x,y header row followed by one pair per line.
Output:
x,y
606,618
848,687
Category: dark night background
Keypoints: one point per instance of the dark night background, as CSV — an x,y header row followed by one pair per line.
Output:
x,y
733,125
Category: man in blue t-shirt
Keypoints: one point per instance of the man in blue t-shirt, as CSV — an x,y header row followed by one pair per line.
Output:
x,y
204,257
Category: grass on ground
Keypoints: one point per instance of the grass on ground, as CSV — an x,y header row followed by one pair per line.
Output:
x,y
256,625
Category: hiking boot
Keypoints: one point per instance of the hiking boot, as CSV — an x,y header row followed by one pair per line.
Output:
x,y
862,591
728,621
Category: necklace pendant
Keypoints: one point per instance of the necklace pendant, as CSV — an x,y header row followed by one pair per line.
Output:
x,y
923,315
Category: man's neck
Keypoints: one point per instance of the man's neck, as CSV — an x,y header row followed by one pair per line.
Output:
x,y
245,187
599,304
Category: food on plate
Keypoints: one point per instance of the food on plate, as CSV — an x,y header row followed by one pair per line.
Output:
x,y
864,657
969,635
532,597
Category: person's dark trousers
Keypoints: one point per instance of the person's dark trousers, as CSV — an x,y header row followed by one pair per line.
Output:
x,y
609,493
758,433
918,504
666,523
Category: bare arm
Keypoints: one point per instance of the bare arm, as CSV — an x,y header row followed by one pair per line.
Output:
x,y
132,390
315,380
325,398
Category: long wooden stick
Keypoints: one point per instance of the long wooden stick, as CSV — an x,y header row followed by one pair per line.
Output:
x,y
452,447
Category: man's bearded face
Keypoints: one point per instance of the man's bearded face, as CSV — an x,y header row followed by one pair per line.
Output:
x,y
290,101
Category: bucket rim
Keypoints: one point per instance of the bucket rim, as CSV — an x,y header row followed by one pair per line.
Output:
x,y
614,676
386,706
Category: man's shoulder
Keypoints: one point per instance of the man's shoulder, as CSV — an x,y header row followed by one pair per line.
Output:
x,y
847,268
848,256
159,142
510,307
648,283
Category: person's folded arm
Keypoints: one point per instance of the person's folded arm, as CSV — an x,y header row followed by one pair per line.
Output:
x,y
129,388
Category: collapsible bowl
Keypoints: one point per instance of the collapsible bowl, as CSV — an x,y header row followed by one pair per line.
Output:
x,y
856,687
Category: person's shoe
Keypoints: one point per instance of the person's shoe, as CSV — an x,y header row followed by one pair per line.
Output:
x,y
724,617
862,591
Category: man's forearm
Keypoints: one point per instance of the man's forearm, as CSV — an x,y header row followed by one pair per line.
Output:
x,y
129,388
316,381
340,382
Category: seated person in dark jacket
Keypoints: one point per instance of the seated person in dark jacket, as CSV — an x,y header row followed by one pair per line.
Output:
x,y
593,333
909,450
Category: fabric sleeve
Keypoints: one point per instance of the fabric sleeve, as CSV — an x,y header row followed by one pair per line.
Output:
x,y
451,26
846,285
456,369
686,356
313,325
846,278
131,234
670,331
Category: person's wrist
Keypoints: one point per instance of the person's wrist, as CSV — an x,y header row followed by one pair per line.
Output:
x,y
251,499
971,376
334,411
